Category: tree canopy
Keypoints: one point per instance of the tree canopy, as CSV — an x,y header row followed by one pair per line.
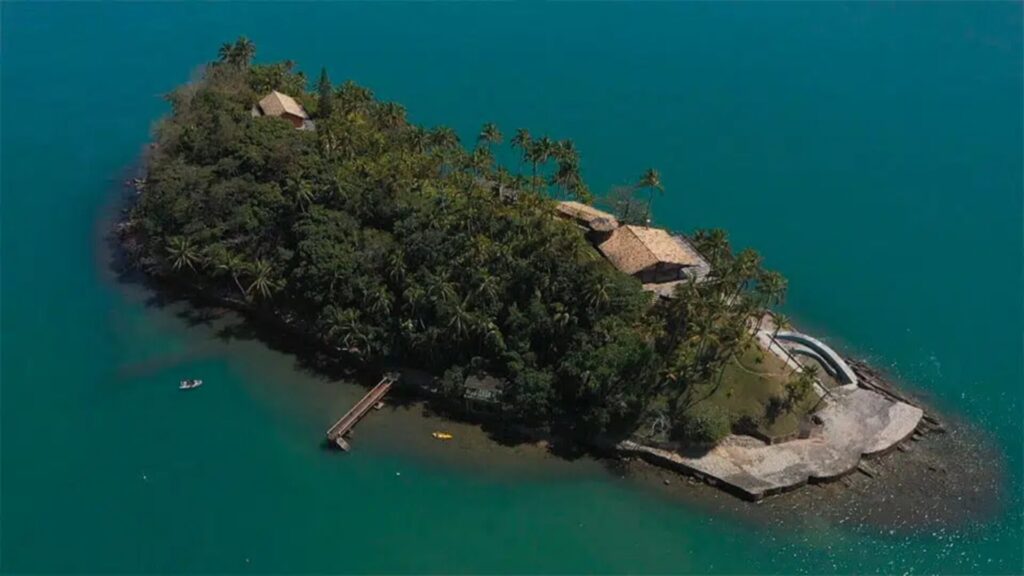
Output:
x,y
387,240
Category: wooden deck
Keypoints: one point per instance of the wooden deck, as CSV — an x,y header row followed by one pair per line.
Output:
x,y
343,426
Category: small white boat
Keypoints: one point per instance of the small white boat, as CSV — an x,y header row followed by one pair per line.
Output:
x,y
189,384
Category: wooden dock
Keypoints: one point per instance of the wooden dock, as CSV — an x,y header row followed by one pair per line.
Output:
x,y
342,427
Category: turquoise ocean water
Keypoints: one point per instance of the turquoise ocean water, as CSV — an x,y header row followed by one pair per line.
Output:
x,y
872,152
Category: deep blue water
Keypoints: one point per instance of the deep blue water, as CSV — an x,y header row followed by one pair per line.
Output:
x,y
871,151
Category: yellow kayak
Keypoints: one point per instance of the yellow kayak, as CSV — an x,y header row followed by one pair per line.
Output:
x,y
442,435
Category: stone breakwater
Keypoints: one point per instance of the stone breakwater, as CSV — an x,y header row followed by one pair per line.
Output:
x,y
855,423
858,420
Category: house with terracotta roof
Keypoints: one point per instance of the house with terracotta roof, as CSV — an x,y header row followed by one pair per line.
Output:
x,y
281,105
596,225
653,255
587,217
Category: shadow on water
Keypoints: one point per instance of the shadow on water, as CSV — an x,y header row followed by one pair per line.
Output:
x,y
945,480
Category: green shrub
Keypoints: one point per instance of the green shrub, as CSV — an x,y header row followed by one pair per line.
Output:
x,y
703,424
453,382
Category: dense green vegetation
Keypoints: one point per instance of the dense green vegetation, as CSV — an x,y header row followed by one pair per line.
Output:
x,y
390,241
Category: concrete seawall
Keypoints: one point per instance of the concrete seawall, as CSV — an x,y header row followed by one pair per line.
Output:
x,y
856,423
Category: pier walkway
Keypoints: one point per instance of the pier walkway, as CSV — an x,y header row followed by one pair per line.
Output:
x,y
336,433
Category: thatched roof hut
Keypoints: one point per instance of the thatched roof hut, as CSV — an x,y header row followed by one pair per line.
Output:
x,y
652,254
283,106
587,216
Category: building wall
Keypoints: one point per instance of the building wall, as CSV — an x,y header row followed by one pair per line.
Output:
x,y
295,120
661,272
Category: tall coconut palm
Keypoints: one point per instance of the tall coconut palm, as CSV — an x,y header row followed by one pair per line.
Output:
x,y
540,151
744,269
717,246
460,320
489,134
771,291
523,141
567,173
651,181
226,52
239,54
245,51
481,160
183,253
781,323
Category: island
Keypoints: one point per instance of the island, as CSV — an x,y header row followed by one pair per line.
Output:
x,y
521,295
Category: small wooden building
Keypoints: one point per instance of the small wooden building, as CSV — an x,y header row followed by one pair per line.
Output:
x,y
482,393
651,254
282,106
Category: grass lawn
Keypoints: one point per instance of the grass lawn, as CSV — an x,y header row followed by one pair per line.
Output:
x,y
748,385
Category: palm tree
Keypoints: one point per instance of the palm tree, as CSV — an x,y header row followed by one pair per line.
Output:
x,y
567,176
226,52
444,138
245,51
440,290
460,320
536,153
304,194
745,268
717,245
183,253
781,323
239,54
396,266
771,290
419,139
565,151
262,279
481,160
567,173
651,180
598,295
523,141
392,115
489,134
378,301
414,296
344,326
233,265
